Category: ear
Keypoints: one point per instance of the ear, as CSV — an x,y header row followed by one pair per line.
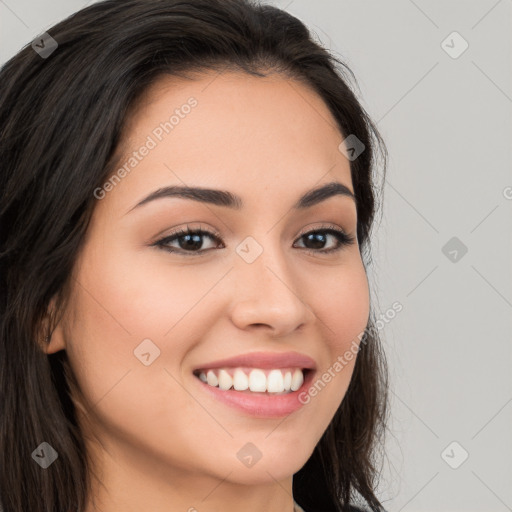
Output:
x,y
51,337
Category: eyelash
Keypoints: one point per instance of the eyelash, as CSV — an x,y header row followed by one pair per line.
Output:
x,y
343,240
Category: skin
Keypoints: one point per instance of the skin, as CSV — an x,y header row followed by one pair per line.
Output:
x,y
157,442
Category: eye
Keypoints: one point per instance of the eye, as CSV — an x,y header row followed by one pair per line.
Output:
x,y
189,241
320,236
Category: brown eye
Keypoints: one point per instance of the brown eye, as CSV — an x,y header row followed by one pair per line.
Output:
x,y
316,240
189,241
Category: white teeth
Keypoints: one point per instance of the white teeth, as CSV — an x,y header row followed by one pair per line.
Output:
x,y
257,380
287,381
297,380
212,378
240,380
225,380
271,381
275,382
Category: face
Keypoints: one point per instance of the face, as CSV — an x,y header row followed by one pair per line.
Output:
x,y
149,309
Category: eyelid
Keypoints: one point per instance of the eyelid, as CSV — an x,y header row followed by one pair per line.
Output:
x,y
183,229
322,227
210,230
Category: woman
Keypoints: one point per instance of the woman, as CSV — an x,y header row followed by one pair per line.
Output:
x,y
187,197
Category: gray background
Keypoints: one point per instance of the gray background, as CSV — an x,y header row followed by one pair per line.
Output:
x,y
447,124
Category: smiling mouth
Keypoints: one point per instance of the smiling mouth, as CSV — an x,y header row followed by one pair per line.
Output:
x,y
278,381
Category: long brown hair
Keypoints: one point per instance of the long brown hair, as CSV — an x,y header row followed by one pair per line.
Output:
x,y
61,120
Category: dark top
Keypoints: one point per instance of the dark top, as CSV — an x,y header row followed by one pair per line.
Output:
x,y
351,508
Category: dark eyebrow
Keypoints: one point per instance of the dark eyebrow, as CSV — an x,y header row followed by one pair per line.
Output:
x,y
230,200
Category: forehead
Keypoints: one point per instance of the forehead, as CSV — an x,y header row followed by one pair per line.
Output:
x,y
235,107
233,131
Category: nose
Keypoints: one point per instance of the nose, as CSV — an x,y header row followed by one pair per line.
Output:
x,y
268,296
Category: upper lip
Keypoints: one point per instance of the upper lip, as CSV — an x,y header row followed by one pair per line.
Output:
x,y
264,360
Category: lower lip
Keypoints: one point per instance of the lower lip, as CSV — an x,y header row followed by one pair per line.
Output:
x,y
262,405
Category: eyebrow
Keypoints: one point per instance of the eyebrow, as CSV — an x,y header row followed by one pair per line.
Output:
x,y
230,200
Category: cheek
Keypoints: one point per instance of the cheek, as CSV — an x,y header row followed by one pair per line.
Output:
x,y
113,312
343,310
144,295
124,298
343,306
